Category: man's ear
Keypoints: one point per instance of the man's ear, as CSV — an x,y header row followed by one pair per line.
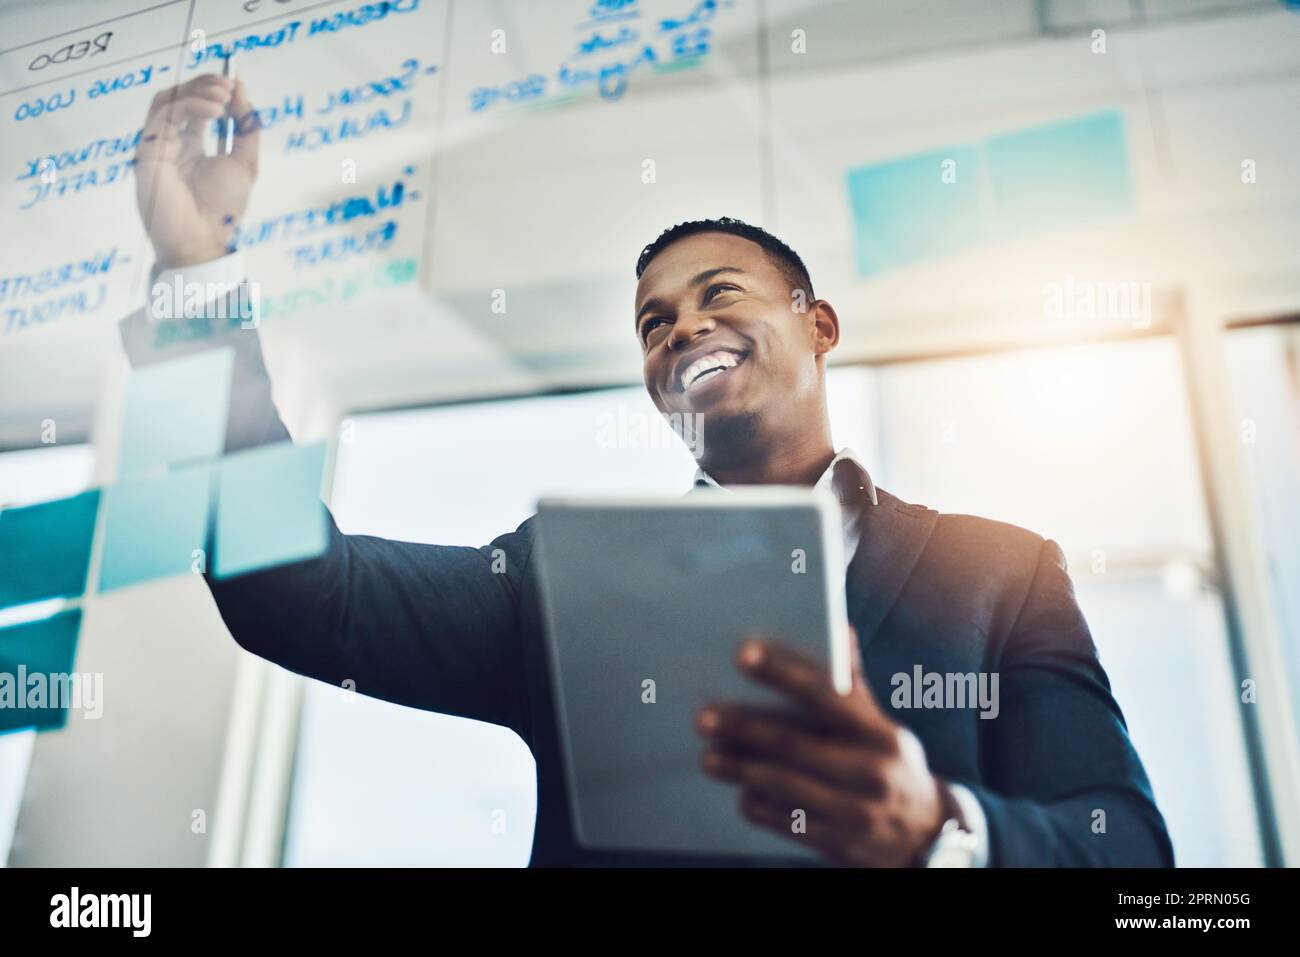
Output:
x,y
825,327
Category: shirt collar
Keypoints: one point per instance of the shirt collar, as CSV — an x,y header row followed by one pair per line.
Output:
x,y
841,480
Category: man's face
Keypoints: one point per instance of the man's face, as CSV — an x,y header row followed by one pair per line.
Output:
x,y
719,336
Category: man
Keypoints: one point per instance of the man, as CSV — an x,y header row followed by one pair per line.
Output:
x,y
729,328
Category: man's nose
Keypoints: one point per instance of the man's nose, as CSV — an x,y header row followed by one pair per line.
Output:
x,y
688,326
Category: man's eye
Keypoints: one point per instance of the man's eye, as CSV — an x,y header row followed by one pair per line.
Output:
x,y
717,288
649,325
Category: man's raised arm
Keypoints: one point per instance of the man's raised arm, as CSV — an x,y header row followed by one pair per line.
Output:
x,y
428,626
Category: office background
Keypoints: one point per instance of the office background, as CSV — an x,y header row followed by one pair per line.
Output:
x,y
460,367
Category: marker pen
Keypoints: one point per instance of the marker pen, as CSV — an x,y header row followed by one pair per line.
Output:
x,y
228,70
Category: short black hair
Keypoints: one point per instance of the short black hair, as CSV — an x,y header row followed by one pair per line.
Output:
x,y
785,258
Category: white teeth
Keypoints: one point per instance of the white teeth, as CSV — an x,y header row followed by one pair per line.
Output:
x,y
713,362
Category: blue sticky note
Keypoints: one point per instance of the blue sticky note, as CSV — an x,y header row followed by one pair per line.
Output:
x,y
914,208
176,412
45,549
1060,174
152,526
36,660
268,509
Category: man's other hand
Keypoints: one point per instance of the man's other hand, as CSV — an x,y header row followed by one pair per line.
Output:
x,y
860,779
190,201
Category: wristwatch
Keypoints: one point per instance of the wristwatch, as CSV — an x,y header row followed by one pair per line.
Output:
x,y
955,846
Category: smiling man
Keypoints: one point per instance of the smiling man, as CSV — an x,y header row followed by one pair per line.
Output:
x,y
719,320
730,330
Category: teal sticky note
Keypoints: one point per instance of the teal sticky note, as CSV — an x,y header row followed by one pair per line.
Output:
x,y
915,208
1060,174
269,510
176,412
45,549
36,683
153,526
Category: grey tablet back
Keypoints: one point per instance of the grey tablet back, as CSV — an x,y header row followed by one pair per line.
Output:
x,y
646,603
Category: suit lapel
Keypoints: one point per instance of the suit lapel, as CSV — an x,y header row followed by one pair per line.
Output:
x,y
894,535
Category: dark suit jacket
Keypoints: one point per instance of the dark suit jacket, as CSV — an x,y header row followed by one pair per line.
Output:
x,y
433,627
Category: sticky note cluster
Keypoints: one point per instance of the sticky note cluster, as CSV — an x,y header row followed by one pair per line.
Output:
x,y
177,501
173,480
1009,186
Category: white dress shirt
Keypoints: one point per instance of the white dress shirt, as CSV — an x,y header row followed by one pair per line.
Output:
x,y
848,478
848,481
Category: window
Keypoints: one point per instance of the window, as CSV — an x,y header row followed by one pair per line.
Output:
x,y
1090,446
379,784
1264,364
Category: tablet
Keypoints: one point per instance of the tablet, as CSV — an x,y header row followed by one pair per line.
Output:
x,y
646,602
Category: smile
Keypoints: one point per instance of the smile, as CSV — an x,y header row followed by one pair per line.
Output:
x,y
708,367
